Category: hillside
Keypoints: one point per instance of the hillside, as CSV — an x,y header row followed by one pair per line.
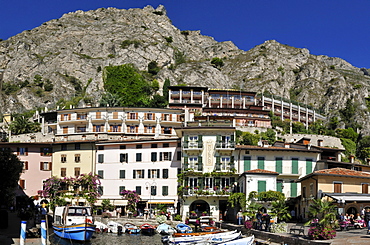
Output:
x,y
65,57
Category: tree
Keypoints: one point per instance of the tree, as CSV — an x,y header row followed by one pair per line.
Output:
x,y
237,200
111,100
132,199
280,210
248,139
252,210
271,196
23,125
348,133
217,62
153,68
350,147
106,205
269,135
10,169
324,211
363,148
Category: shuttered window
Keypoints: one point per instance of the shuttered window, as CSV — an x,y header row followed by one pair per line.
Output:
x,y
308,166
293,189
121,188
365,188
247,163
165,174
164,190
261,162
337,187
294,165
279,165
122,174
261,186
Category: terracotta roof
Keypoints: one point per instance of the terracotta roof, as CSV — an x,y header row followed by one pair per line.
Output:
x,y
260,171
342,172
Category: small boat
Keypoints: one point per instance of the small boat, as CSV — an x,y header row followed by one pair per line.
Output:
x,y
115,227
165,229
210,229
242,241
73,223
183,228
199,233
147,229
204,239
100,227
131,228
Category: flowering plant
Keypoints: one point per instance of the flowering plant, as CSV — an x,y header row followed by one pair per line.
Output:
x,y
197,221
132,199
248,224
321,233
187,221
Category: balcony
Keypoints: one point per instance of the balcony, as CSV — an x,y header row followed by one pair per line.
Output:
x,y
215,191
223,145
193,146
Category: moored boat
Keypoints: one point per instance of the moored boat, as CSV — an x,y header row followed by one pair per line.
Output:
x,y
100,227
203,239
73,223
131,228
242,241
165,229
115,227
183,228
147,229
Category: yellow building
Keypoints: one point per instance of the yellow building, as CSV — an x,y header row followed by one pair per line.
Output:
x,y
349,189
71,159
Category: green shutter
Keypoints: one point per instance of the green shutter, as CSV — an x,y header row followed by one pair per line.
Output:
x,y
186,141
218,163
164,190
200,141
261,163
201,182
261,186
293,189
247,163
308,166
294,165
279,186
200,163
186,181
217,181
279,165
186,163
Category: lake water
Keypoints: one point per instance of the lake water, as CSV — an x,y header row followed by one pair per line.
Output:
x,y
111,238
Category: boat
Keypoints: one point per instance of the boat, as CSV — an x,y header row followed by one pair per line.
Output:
x,y
242,241
183,228
147,229
131,228
203,239
165,229
73,223
115,227
100,227
199,233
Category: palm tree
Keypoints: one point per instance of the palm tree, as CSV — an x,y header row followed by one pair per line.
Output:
x,y
252,210
23,125
280,210
324,211
112,100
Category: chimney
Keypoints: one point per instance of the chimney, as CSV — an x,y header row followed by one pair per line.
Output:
x,y
286,145
351,158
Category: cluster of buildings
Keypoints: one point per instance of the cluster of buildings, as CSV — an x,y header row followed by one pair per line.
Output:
x,y
186,157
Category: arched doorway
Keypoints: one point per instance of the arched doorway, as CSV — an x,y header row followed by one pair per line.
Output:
x,y
199,206
352,210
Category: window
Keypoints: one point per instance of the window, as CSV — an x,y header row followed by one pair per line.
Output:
x,y
261,162
247,163
45,166
154,146
100,158
192,161
77,146
138,174
63,147
101,190
153,173
121,188
81,116
153,190
122,174
149,129
308,166
294,165
98,114
164,190
132,129
122,147
80,129
178,154
139,146
304,192
150,116
166,130
225,161
63,158
208,183
138,190
101,147
25,165
123,157
63,172
193,182
77,172
165,156
165,145
165,173
22,151
115,128
279,164
98,128
133,116
45,151
138,157
77,157
153,157
311,189
261,186
293,189
365,188
101,174
279,185
65,130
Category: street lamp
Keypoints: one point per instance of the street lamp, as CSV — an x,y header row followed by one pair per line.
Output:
x,y
149,186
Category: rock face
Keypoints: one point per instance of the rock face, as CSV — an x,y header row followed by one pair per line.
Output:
x,y
72,51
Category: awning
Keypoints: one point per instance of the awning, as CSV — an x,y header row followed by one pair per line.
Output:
x,y
349,197
114,202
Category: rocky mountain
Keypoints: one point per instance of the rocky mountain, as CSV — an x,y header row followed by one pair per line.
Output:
x,y
66,57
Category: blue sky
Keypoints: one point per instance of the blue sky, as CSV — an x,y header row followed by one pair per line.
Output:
x,y
337,28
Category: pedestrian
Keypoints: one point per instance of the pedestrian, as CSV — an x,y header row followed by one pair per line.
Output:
x,y
267,219
367,219
239,217
146,214
292,213
259,220
119,210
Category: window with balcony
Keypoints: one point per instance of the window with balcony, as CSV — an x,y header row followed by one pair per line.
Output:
x,y
166,130
138,174
133,116
193,182
81,116
149,129
165,156
225,162
115,128
22,151
45,151
98,128
133,129
193,161
225,141
208,183
150,116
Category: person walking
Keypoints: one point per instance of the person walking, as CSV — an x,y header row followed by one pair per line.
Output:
x,y
259,220
367,219
239,217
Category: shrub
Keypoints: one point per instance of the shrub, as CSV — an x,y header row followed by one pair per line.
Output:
x,y
178,217
153,68
321,233
217,62
127,43
111,56
161,219
169,39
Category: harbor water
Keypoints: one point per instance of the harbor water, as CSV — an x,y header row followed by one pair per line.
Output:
x,y
110,238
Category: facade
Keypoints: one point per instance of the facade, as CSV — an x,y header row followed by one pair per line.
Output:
x,y
257,180
71,159
37,165
348,188
149,167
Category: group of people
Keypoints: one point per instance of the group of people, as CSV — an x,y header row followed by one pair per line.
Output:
x,y
360,220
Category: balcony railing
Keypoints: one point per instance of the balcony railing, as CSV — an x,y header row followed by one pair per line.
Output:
x,y
216,191
225,145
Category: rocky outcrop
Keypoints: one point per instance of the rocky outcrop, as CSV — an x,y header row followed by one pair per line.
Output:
x,y
72,51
